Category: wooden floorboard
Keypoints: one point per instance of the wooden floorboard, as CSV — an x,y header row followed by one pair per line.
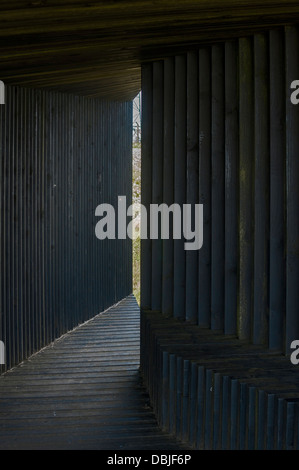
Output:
x,y
83,391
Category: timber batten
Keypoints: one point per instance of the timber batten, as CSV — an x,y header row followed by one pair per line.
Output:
x,y
218,128
193,375
239,131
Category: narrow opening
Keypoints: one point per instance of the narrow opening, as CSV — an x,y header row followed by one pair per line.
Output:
x,y
136,193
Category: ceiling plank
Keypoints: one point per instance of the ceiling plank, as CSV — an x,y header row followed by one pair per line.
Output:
x,y
95,48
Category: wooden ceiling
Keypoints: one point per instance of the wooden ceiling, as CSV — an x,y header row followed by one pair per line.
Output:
x,y
95,48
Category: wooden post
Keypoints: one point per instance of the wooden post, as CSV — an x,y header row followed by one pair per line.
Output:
x,y
192,179
292,187
246,149
157,180
217,188
231,186
179,274
277,192
261,191
204,190
168,185
146,179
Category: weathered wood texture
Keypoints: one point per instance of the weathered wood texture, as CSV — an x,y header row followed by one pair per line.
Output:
x,y
192,139
237,132
215,391
292,193
277,191
168,189
61,155
204,178
83,391
245,183
235,129
231,186
146,182
157,182
180,140
96,48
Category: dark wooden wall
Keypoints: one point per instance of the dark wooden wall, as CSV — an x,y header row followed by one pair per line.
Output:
x,y
61,156
219,129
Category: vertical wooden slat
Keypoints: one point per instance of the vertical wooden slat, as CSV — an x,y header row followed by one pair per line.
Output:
x,y
261,191
193,403
30,221
47,223
217,407
204,257
226,406
157,180
234,419
13,227
192,180
201,396
19,220
128,247
39,216
179,375
6,260
270,422
231,186
277,192
2,228
179,279
209,397
56,216
44,339
281,424
165,394
217,195
51,247
252,420
168,185
292,188
290,426
185,400
172,396
243,416
246,126
261,421
105,198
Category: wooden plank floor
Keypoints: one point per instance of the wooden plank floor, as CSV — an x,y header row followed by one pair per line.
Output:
x,y
83,391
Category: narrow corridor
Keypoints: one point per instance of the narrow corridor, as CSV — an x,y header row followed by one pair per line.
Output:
x,y
83,391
